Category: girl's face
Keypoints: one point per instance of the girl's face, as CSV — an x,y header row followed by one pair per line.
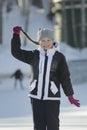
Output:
x,y
46,43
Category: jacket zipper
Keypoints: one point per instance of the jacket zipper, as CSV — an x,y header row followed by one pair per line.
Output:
x,y
44,75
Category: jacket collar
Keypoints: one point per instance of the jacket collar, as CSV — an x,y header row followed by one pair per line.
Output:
x,y
49,52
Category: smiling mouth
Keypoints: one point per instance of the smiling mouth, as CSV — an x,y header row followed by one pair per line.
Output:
x,y
44,47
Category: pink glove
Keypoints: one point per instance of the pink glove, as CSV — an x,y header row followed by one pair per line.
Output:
x,y
74,101
17,30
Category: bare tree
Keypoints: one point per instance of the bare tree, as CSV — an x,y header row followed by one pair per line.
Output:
x,y
0,21
24,8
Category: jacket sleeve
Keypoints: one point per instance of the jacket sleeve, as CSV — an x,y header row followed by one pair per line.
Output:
x,y
65,78
18,53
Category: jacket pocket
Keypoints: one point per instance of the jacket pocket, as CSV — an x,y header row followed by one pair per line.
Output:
x,y
53,88
32,86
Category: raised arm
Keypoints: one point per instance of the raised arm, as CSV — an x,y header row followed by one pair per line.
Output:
x,y
17,52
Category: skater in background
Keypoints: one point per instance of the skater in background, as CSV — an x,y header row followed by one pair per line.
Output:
x,y
50,69
18,77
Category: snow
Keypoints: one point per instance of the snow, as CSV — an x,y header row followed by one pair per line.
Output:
x,y
15,106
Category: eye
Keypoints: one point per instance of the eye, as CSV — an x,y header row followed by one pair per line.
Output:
x,y
43,40
48,40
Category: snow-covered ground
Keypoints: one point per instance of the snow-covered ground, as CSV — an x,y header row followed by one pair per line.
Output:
x,y
15,107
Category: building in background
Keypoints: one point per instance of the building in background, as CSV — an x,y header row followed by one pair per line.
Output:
x,y
71,21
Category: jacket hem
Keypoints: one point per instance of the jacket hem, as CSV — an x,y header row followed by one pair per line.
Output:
x,y
44,98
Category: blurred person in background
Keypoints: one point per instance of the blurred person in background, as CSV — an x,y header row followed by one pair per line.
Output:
x,y
18,77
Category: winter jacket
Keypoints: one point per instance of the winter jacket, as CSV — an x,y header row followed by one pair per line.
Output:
x,y
49,70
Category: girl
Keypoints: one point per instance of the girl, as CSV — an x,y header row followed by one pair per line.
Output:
x,y
49,68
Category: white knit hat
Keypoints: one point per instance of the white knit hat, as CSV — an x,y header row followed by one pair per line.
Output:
x,y
45,33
